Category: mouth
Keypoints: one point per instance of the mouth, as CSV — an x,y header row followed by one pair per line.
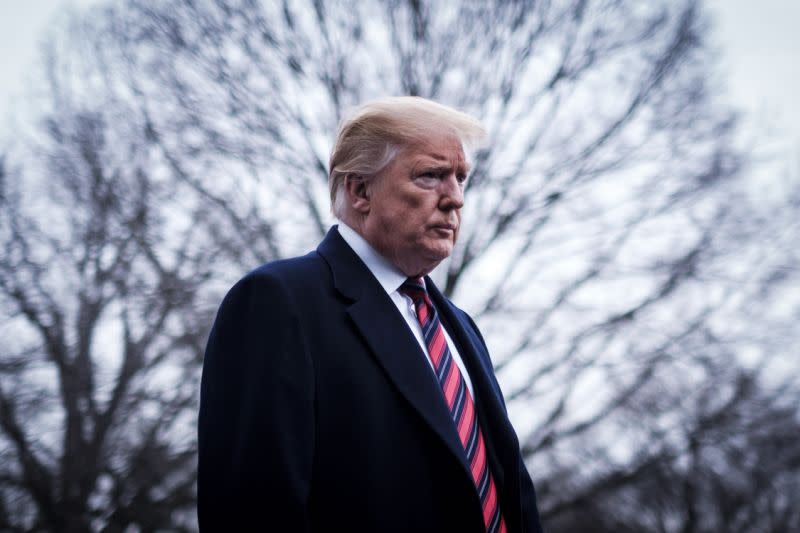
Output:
x,y
444,228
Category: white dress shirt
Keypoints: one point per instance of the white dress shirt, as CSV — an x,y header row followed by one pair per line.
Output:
x,y
390,278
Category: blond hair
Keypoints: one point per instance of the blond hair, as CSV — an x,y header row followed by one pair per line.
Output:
x,y
375,132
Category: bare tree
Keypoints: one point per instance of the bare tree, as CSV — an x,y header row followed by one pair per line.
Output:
x,y
98,284
612,253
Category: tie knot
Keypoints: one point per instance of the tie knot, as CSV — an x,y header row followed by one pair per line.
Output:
x,y
414,288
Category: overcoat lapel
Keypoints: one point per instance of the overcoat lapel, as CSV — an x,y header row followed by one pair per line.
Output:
x,y
501,439
391,342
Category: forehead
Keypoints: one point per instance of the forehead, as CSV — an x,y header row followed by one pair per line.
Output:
x,y
445,150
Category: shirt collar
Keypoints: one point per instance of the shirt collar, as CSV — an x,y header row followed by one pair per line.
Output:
x,y
388,275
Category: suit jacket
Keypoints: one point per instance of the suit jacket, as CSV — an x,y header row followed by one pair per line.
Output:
x,y
319,413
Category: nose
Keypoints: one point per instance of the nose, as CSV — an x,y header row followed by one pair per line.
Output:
x,y
452,193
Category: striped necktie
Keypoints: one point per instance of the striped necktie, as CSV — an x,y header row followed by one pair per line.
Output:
x,y
458,399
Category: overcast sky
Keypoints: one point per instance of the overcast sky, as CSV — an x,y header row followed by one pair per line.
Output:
x,y
758,42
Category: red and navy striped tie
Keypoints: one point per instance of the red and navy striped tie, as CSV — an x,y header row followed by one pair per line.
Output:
x,y
458,399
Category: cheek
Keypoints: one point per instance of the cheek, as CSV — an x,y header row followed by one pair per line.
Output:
x,y
410,211
410,206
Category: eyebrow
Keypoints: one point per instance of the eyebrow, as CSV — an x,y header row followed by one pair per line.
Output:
x,y
439,164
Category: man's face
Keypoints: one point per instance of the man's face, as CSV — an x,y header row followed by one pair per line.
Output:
x,y
414,209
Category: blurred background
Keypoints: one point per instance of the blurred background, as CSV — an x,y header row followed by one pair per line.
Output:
x,y
630,247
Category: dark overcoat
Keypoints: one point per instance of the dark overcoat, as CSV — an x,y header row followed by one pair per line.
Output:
x,y
319,413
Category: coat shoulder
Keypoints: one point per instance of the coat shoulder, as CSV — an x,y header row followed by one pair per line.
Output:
x,y
294,271
293,281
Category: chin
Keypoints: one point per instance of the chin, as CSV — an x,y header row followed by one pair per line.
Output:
x,y
445,250
438,255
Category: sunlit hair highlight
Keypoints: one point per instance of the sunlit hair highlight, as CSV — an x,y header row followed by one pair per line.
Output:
x,y
372,135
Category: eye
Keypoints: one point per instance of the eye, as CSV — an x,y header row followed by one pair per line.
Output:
x,y
461,178
428,178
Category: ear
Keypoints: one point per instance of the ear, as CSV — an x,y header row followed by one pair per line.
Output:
x,y
358,194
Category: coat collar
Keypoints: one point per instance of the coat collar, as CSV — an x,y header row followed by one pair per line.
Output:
x,y
394,347
383,328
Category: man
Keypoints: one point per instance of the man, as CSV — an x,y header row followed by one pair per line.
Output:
x,y
341,391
